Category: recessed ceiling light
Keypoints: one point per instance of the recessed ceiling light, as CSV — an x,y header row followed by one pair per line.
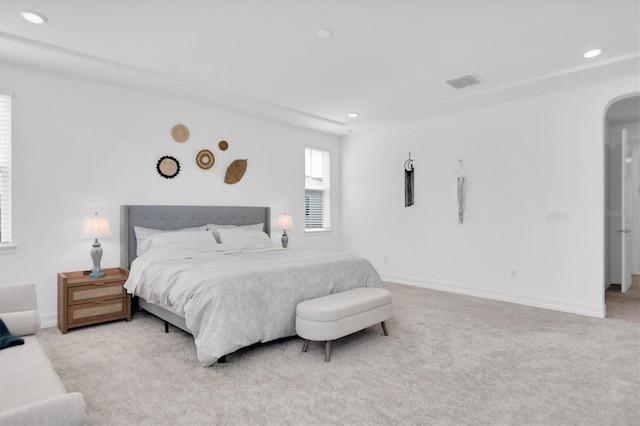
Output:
x,y
353,115
324,33
592,53
33,17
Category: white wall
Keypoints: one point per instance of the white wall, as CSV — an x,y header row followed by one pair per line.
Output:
x,y
81,147
524,159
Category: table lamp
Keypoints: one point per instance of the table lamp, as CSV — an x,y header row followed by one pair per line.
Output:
x,y
96,227
285,222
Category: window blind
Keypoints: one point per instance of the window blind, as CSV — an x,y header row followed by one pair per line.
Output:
x,y
5,168
317,189
314,209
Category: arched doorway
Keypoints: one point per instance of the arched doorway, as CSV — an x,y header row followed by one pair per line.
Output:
x,y
622,194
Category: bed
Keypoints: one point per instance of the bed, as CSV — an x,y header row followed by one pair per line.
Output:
x,y
229,299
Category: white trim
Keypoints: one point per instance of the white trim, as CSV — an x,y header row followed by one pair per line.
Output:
x,y
317,230
8,248
555,305
48,320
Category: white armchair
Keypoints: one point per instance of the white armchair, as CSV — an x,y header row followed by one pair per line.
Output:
x,y
30,391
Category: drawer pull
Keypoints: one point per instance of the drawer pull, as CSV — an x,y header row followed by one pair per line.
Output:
x,y
98,283
97,302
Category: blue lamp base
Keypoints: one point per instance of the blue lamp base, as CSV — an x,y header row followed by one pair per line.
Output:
x,y
96,274
96,256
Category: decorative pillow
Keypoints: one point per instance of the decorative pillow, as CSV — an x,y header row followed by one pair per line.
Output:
x,y
143,233
215,228
7,339
244,239
181,240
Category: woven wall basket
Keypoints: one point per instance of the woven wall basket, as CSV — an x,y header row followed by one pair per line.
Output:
x,y
223,145
168,167
205,159
235,171
180,133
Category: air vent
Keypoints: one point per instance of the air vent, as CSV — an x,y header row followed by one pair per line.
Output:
x,y
464,81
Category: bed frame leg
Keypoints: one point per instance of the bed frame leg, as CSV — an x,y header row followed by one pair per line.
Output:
x,y
327,351
222,359
166,327
384,328
305,346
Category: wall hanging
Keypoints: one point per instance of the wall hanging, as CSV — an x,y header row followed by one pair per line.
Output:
x,y
180,133
168,167
205,159
235,171
408,182
462,190
223,145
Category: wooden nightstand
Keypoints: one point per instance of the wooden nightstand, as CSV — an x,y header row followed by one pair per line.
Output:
x,y
83,300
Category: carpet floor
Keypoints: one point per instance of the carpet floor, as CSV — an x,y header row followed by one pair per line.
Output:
x,y
449,359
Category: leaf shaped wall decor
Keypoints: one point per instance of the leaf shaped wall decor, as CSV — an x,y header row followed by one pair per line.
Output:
x,y
235,171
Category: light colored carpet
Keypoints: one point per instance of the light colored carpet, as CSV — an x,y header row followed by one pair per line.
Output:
x,y
449,359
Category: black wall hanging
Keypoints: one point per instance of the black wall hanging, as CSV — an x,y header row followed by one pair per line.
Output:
x,y
408,182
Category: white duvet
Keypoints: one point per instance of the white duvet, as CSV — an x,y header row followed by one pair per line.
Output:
x,y
233,299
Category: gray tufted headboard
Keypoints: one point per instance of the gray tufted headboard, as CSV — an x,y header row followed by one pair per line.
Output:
x,y
177,217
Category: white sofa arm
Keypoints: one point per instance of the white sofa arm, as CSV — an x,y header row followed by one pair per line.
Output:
x,y
67,410
18,297
22,323
19,308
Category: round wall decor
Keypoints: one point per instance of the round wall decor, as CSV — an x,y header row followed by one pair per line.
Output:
x,y
205,159
180,133
168,167
223,145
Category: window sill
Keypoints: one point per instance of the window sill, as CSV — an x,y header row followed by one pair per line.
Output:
x,y
317,231
8,248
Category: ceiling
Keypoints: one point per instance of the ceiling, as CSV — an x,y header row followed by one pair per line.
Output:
x,y
387,60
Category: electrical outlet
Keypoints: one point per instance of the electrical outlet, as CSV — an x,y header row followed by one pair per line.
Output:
x,y
557,217
514,273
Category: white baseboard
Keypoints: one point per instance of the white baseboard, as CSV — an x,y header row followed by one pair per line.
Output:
x,y
555,305
48,320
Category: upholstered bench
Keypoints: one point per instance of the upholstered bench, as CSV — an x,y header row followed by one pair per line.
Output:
x,y
330,317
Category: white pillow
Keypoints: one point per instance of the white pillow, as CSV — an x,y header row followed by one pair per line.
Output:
x,y
214,228
180,241
244,239
143,233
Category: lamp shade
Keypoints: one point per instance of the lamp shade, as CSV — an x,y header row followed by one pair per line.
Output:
x,y
285,222
96,227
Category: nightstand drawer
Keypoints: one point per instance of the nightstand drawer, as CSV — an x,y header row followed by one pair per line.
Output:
x,y
97,310
95,292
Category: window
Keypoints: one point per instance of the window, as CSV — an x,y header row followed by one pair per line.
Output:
x,y
316,190
5,169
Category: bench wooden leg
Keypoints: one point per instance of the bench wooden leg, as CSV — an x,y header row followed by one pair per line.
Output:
x,y
384,328
327,351
305,346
